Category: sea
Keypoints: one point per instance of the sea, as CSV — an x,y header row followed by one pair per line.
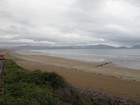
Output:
x,y
128,58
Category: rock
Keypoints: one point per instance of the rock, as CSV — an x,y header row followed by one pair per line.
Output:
x,y
94,95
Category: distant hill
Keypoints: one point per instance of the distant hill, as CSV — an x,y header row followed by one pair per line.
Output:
x,y
31,47
100,46
136,47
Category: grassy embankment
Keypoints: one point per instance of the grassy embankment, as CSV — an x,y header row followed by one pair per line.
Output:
x,y
23,87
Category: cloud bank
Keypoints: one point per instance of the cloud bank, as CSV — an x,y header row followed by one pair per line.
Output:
x,y
69,22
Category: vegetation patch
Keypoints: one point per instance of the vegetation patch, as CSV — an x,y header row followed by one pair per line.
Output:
x,y
23,87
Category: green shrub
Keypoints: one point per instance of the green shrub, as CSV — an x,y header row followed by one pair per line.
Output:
x,y
54,80
24,87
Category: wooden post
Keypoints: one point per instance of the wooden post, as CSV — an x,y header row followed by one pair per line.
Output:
x,y
1,74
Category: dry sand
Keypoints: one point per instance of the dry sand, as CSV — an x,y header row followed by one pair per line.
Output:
x,y
103,77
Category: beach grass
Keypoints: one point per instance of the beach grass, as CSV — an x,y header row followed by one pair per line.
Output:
x,y
23,87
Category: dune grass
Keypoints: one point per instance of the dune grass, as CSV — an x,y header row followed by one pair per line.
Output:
x,y
23,87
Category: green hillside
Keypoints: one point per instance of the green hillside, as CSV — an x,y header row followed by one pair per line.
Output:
x,y
24,87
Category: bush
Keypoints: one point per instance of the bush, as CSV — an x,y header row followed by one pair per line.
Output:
x,y
24,87
54,80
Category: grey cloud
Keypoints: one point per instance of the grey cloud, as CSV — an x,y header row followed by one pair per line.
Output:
x,y
70,22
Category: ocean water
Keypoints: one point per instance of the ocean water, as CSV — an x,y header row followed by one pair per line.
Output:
x,y
129,58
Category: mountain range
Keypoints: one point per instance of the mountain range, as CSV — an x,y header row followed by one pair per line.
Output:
x,y
100,46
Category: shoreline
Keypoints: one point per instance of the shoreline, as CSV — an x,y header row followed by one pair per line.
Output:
x,y
101,68
125,61
80,74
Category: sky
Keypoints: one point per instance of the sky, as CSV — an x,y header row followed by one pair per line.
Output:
x,y
69,22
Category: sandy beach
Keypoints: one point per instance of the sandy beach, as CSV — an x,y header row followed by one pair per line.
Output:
x,y
104,77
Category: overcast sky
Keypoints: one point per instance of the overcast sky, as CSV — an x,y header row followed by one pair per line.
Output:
x,y
69,22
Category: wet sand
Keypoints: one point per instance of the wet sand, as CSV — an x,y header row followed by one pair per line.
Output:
x,y
104,77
